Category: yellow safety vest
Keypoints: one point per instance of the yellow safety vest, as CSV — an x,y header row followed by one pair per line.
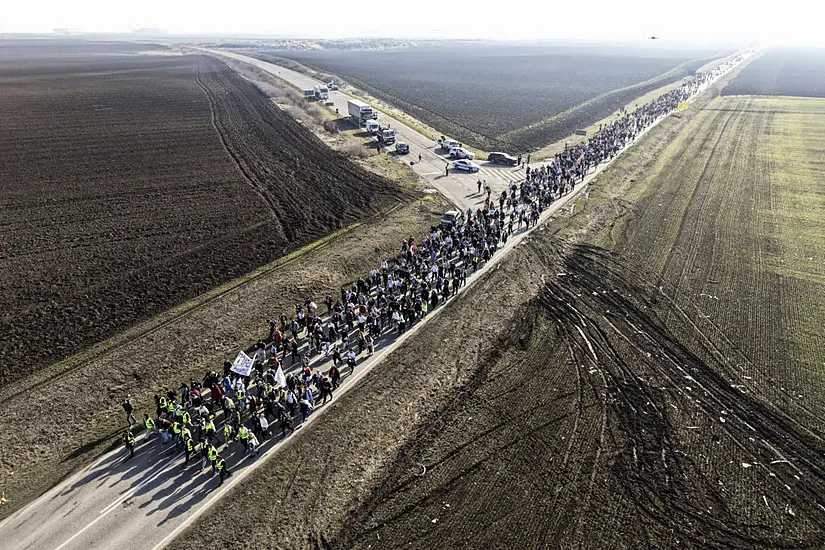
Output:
x,y
189,445
213,453
149,424
219,465
162,402
186,418
176,428
244,433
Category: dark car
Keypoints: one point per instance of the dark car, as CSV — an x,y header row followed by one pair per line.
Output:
x,y
451,219
502,158
402,148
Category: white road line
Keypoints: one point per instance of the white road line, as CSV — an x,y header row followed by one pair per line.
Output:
x,y
106,511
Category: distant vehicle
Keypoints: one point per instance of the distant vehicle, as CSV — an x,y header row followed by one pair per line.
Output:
x,y
502,158
654,38
449,144
332,85
386,136
466,165
372,127
402,148
321,92
461,153
309,94
360,112
451,219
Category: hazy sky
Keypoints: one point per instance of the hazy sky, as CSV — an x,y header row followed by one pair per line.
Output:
x,y
789,21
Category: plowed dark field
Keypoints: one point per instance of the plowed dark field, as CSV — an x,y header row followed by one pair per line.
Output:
x,y
666,388
509,97
132,182
783,71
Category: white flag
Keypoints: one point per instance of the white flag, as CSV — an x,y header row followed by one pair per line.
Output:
x,y
242,364
279,377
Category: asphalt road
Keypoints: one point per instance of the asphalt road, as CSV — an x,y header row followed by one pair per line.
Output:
x,y
145,502
459,187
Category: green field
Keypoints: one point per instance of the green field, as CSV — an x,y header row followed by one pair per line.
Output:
x,y
668,387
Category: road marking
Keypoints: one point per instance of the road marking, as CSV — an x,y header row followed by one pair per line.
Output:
x,y
106,511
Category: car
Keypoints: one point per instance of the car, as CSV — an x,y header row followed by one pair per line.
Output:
x,y
449,144
402,148
451,219
461,153
466,165
502,158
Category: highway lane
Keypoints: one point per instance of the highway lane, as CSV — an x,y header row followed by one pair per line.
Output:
x,y
458,187
144,502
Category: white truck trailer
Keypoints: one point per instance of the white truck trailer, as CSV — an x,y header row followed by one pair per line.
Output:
x,y
360,112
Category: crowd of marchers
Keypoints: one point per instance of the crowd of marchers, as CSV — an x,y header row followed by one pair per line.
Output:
x,y
310,352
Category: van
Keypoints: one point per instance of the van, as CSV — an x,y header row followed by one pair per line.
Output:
x,y
449,144
372,126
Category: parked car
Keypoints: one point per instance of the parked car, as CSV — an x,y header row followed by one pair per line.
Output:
x,y
466,165
402,148
451,219
502,158
449,144
461,153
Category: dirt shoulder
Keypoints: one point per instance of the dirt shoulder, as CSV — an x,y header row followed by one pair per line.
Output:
x,y
317,490
665,394
65,416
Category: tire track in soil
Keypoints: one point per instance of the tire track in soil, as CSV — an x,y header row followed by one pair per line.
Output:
x,y
669,487
250,180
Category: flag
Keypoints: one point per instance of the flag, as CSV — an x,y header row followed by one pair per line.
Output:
x,y
242,364
279,377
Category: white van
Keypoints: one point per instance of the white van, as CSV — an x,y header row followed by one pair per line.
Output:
x,y
449,144
372,126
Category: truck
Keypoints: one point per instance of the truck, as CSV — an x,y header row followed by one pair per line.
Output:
x,y
321,92
386,136
360,112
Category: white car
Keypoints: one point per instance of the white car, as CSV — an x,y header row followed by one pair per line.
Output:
x,y
461,153
466,165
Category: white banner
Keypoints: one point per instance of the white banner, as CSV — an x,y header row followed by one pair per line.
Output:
x,y
280,378
242,364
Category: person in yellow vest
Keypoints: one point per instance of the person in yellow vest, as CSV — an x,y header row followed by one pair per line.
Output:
x,y
209,429
228,433
220,465
187,420
212,453
175,431
161,404
149,424
228,406
243,435
185,433
170,408
129,442
189,449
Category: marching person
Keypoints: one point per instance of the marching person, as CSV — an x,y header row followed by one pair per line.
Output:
x,y
129,442
223,470
149,424
127,407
